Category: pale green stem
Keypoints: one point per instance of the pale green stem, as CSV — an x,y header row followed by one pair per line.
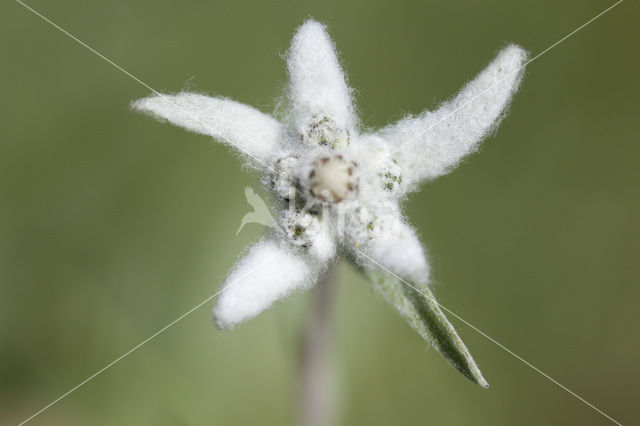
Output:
x,y
315,387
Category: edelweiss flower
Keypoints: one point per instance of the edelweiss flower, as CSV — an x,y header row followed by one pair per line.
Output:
x,y
338,186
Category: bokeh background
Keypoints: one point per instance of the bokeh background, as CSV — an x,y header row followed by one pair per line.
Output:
x,y
112,225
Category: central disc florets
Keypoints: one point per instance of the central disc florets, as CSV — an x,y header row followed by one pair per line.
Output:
x,y
332,178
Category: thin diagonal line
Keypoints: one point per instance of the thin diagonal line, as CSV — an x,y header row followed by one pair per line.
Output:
x,y
500,345
217,293
206,127
470,101
88,47
91,377
575,31
139,345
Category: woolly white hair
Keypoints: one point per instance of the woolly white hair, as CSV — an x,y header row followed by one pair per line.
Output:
x,y
245,128
342,188
386,240
317,85
269,272
403,154
432,143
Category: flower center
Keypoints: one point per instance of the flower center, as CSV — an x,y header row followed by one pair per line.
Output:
x,y
332,178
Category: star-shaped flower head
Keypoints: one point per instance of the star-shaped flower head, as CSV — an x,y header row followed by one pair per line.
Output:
x,y
338,188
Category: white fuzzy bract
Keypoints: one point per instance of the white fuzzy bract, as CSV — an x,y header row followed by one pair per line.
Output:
x,y
432,143
266,274
338,190
317,86
250,131
395,247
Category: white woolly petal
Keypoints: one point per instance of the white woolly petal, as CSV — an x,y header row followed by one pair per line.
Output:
x,y
266,274
432,143
385,239
241,126
317,86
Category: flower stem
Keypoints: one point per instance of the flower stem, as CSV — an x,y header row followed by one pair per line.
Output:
x,y
315,396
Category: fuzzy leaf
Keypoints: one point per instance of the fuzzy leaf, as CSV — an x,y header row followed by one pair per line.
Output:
x,y
422,312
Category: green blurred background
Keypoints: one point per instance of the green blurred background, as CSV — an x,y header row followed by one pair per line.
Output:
x,y
112,225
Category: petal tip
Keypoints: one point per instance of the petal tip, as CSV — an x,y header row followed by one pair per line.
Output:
x,y
135,105
514,55
481,381
310,24
222,323
142,105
